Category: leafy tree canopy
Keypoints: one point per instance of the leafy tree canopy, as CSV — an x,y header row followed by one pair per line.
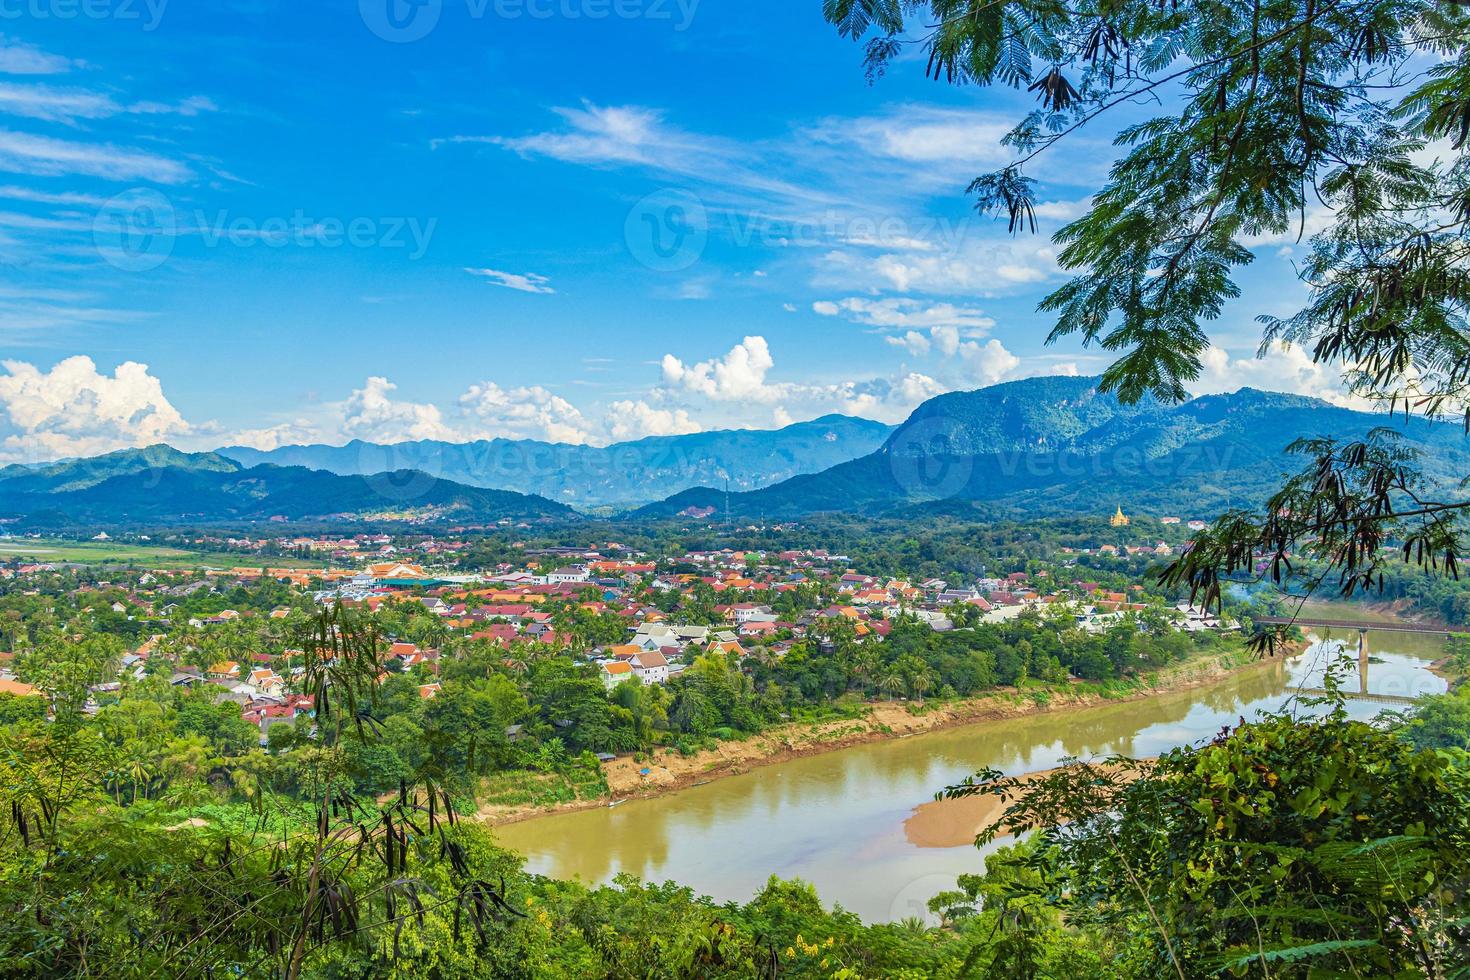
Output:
x,y
1347,116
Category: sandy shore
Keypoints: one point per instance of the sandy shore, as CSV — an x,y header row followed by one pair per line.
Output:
x,y
667,773
956,823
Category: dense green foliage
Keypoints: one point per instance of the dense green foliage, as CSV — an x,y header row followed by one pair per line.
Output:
x,y
153,487
1282,847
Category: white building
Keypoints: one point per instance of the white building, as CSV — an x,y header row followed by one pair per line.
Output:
x,y
651,668
748,612
572,574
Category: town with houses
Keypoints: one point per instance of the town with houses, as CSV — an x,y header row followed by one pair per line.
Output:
x,y
514,604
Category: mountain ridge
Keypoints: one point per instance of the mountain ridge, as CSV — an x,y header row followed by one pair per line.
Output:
x,y
622,474
161,485
1047,446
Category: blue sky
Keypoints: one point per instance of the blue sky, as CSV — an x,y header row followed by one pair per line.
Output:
x,y
582,220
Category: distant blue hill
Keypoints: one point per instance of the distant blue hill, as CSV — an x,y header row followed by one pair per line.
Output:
x,y
160,485
1055,445
621,475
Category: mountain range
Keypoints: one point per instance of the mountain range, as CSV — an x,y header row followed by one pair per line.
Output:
x,y
610,477
1033,448
1057,445
161,485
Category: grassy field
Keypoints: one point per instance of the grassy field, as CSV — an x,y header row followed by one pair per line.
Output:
x,y
141,555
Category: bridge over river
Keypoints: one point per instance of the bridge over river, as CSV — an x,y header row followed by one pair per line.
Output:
x,y
1345,624
1363,629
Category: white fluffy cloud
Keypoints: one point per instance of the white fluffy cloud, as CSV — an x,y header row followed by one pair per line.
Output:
x,y
738,376
1284,368
1062,210
274,436
987,363
742,375
75,410
915,343
525,412
371,413
974,267
637,419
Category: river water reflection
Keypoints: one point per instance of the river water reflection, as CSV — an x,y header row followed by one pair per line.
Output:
x,y
836,820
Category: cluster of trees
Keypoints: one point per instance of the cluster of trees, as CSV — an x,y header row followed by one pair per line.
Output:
x,y
534,707
562,709
1284,848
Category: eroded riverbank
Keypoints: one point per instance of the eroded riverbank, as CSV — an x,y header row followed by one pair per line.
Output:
x,y
671,772
836,818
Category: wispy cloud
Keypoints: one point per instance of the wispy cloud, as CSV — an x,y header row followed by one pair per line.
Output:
x,y
730,173
49,157
864,198
71,105
526,282
39,317
20,58
905,313
34,196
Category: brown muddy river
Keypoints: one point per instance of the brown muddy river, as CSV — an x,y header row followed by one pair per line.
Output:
x,y
837,820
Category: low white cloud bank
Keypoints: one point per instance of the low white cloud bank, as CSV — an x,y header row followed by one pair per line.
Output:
x,y
638,419
523,413
1285,367
75,410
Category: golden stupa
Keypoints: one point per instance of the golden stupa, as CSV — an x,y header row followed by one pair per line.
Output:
x,y
1120,519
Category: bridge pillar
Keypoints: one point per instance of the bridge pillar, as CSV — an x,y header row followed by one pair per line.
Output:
x,y
1362,661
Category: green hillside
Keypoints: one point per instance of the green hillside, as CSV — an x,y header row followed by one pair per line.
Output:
x,y
1049,446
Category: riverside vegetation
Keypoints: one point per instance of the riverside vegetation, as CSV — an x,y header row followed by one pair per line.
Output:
x,y
154,838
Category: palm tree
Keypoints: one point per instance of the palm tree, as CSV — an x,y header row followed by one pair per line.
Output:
x,y
921,684
891,684
140,774
517,660
863,666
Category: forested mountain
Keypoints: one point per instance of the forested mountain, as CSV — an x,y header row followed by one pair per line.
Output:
x,y
162,485
622,474
79,474
1047,446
